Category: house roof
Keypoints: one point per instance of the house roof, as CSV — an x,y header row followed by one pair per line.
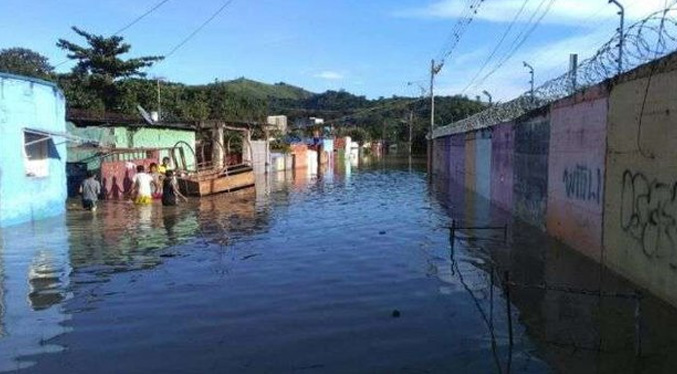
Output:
x,y
84,118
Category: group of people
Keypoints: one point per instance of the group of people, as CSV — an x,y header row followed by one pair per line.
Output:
x,y
159,184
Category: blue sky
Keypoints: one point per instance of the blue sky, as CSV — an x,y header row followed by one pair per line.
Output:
x,y
368,47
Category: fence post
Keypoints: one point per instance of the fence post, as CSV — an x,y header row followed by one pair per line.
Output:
x,y
508,307
638,323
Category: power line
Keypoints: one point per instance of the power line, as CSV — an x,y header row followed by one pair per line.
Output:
x,y
197,30
498,46
459,29
520,39
139,18
127,26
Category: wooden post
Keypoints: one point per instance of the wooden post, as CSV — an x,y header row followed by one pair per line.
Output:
x,y
638,324
218,154
491,301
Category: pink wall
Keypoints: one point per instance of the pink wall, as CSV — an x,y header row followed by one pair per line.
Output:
x,y
576,170
116,177
502,149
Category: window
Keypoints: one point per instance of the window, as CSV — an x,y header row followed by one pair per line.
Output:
x,y
36,154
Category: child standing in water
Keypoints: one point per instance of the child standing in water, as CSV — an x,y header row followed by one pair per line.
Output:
x,y
157,181
90,190
142,190
170,190
162,169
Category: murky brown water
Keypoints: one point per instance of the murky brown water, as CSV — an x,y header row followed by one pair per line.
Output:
x,y
351,272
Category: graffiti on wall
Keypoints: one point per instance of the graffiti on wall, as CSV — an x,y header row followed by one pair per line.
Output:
x,y
583,183
649,215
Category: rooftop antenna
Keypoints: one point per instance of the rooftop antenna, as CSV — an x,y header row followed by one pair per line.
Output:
x,y
146,117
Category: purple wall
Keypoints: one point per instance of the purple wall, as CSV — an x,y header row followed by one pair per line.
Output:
x,y
502,149
457,159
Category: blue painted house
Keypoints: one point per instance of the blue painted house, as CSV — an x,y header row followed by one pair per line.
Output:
x,y
32,150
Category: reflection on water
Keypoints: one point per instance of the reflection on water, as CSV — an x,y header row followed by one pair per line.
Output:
x,y
34,276
347,270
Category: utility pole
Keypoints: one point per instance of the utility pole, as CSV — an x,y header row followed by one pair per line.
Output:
x,y
621,32
411,124
159,109
531,82
434,69
383,138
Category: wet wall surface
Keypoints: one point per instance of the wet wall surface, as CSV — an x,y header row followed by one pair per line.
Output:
x,y
352,271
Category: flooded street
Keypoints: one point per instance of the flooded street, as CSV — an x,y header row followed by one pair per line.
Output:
x,y
352,271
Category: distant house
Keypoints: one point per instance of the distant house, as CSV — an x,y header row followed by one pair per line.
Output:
x,y
279,123
124,142
32,150
303,123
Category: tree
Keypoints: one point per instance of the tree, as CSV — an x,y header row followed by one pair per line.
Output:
x,y
23,61
99,66
101,59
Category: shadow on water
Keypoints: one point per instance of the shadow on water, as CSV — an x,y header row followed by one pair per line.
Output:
x,y
348,270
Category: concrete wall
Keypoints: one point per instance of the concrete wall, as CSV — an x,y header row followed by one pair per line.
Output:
x,y
530,168
32,104
576,170
640,224
597,170
470,161
456,159
502,149
483,163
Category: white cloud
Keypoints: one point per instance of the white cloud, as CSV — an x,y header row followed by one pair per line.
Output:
x,y
568,12
329,75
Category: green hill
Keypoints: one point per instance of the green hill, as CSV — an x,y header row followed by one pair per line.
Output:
x,y
264,91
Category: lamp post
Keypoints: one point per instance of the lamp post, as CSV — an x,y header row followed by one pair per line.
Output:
x,y
488,95
159,106
531,82
621,32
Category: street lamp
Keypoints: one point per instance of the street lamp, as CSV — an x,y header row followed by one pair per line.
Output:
x,y
488,95
531,82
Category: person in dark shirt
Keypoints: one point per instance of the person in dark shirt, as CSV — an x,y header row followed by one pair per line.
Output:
x,y
90,190
170,190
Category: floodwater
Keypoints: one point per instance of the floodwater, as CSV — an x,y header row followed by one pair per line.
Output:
x,y
351,271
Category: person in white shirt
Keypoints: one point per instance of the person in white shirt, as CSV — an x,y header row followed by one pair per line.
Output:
x,y
143,187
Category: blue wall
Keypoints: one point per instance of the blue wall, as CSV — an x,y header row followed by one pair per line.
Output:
x,y
37,105
483,163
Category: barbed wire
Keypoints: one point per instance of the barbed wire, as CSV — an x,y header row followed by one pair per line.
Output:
x,y
649,39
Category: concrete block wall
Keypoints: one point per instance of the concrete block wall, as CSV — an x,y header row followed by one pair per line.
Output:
x,y
530,168
483,162
640,208
502,150
456,159
470,161
576,168
597,170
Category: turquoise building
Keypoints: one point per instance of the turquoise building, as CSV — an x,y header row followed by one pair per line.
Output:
x,y
32,150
